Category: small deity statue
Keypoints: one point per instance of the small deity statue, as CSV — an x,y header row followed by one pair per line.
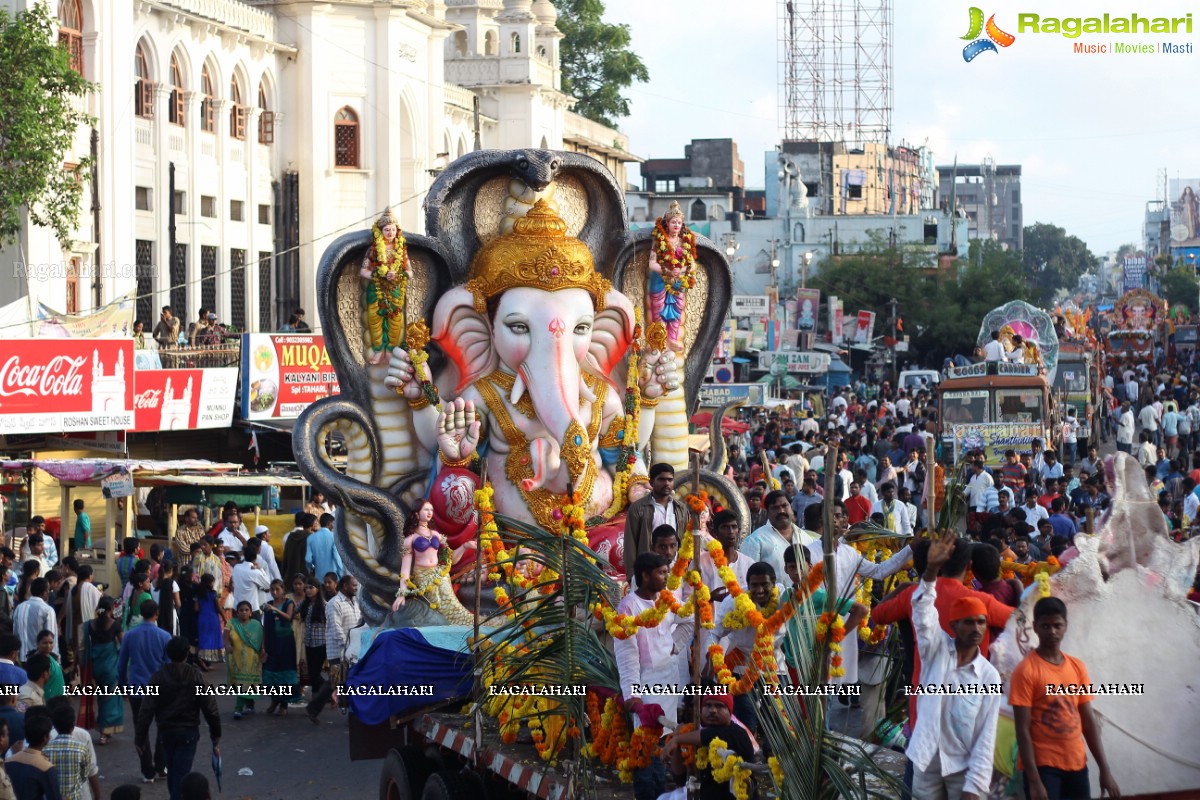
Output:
x,y
425,568
386,271
672,267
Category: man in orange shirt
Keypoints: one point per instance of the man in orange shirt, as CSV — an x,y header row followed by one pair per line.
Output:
x,y
858,508
1052,728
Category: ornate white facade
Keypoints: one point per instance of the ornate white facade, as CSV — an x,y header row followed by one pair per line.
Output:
x,y
265,130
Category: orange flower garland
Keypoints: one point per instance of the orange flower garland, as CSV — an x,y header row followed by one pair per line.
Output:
x,y
761,659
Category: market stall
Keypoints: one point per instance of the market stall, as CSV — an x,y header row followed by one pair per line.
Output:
x,y
191,481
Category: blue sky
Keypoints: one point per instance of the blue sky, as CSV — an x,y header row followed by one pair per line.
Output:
x,y
1091,132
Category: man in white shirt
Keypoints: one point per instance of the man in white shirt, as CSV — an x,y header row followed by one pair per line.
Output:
x,y
994,350
977,486
952,744
231,535
1148,418
850,565
1126,426
1034,512
250,581
34,616
769,542
895,513
728,533
266,555
655,655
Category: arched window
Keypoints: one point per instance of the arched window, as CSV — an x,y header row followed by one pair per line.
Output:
x,y
70,31
345,138
460,43
266,117
178,107
489,43
699,212
514,43
143,87
237,111
208,105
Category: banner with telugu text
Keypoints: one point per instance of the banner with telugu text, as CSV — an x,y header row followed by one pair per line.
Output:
x,y
114,319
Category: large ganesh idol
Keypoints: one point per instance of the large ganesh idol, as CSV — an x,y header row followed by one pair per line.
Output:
x,y
518,309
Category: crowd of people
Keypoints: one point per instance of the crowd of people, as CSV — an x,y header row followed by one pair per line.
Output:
x,y
952,595
73,654
206,331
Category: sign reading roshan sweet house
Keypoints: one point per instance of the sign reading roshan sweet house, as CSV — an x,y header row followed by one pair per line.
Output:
x,y
64,385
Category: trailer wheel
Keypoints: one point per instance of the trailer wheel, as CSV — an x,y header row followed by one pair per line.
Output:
x,y
404,774
452,785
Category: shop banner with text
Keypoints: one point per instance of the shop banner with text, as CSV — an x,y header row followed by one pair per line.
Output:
x,y
184,399
284,373
66,385
994,438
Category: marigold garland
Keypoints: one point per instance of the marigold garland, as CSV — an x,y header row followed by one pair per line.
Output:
x,y
728,768
1028,572
761,660
623,626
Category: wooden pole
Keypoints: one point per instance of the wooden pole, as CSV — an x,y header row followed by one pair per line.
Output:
x,y
828,548
697,642
930,486
110,547
172,526
66,541
476,649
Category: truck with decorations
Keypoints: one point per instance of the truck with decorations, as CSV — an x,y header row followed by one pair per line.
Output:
x,y
993,406
1138,324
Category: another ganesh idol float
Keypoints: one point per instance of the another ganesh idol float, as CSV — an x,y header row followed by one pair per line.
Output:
x,y
523,358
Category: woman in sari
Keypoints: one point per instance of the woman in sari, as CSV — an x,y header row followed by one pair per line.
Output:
x,y
209,622
98,668
298,584
280,644
138,594
244,645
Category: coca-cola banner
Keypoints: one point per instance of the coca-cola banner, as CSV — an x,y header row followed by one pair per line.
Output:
x,y
184,399
284,373
66,385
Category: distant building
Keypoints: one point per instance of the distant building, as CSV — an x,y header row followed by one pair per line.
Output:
x,y
237,140
706,164
989,195
837,180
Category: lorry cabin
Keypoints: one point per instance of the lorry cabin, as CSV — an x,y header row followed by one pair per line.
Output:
x,y
991,393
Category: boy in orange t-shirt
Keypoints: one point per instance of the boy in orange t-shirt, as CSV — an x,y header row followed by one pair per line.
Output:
x,y
1052,727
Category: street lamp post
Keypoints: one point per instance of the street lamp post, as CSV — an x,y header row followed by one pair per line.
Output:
x,y
1191,257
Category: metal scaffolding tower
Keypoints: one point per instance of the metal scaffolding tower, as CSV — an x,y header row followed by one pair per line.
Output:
x,y
836,70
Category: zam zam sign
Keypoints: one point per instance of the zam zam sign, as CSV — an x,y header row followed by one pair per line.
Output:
x,y
1140,35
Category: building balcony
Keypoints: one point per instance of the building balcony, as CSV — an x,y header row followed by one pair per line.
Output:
x,y
231,14
226,354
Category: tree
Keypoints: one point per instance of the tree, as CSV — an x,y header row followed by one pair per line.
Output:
x,y
1179,286
39,117
1054,259
943,308
596,61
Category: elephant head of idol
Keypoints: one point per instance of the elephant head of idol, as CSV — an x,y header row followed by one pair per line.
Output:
x,y
527,281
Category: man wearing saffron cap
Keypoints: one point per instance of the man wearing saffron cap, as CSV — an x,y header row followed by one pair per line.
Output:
x,y
952,743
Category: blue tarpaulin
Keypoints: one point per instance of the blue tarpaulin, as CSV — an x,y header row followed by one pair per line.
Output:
x,y
405,658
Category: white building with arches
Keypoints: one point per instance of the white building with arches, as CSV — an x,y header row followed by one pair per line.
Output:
x,y
235,140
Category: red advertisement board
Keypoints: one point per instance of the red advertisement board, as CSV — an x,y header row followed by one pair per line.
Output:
x,y
184,399
284,373
66,385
